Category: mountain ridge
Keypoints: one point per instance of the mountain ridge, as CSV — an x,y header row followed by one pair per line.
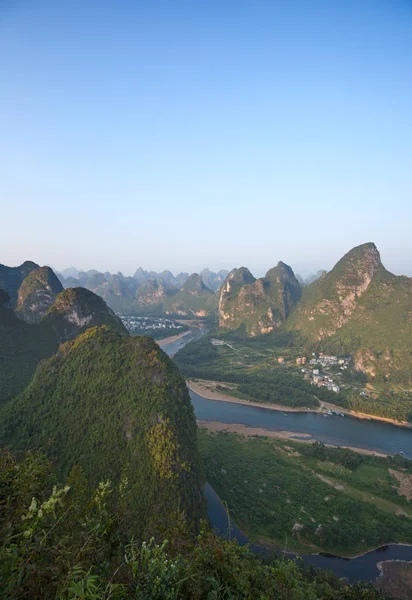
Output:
x,y
148,292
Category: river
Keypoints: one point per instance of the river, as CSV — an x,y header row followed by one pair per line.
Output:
x,y
372,435
377,436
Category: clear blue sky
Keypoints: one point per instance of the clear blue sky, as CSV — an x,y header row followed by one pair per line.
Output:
x,y
188,134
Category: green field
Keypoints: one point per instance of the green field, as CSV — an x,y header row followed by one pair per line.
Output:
x,y
309,497
252,366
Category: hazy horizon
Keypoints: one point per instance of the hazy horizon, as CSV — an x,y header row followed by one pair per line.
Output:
x,y
178,136
257,270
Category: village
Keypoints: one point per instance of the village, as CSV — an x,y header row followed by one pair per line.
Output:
x,y
319,369
149,324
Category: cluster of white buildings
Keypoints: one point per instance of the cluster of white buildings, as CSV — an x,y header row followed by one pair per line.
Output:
x,y
148,323
328,360
318,377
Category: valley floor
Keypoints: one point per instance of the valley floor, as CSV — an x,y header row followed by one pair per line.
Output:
x,y
280,492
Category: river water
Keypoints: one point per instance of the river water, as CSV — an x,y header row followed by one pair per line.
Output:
x,y
372,435
338,431
363,568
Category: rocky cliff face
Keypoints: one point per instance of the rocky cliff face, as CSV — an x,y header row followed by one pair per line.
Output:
x,y
36,294
260,305
362,309
151,293
77,309
328,303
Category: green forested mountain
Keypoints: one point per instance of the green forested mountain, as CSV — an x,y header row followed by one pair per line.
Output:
x,y
36,294
193,299
117,407
23,345
260,305
361,308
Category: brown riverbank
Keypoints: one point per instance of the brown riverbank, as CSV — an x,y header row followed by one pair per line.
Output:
x,y
172,338
207,389
203,388
304,438
395,578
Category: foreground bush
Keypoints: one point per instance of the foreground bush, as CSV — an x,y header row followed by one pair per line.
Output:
x,y
64,542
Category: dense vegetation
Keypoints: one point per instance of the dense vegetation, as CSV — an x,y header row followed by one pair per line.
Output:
x,y
358,308
396,406
308,496
118,407
23,345
65,542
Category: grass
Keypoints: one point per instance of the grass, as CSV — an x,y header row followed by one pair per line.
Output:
x,y
272,487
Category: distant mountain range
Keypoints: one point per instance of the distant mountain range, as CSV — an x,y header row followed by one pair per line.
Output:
x,y
148,292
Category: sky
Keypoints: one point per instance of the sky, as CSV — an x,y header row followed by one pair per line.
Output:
x,y
178,135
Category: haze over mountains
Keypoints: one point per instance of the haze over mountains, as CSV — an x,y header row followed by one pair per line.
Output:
x,y
148,292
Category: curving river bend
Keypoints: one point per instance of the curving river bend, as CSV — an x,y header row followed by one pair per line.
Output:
x,y
372,435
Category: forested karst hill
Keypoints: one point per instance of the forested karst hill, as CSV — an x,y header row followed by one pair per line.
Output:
x,y
360,308
118,407
194,298
260,305
36,294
